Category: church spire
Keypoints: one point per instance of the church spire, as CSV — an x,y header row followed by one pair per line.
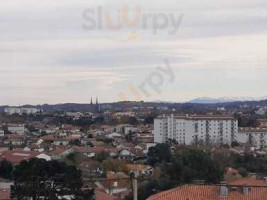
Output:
x,y
96,101
91,101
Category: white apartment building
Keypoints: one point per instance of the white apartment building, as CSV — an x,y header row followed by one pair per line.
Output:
x,y
254,136
20,111
16,128
193,129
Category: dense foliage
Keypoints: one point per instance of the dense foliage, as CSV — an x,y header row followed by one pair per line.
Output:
x,y
159,153
185,166
40,179
6,169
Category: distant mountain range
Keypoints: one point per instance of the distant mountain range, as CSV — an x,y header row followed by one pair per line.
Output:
x,y
208,100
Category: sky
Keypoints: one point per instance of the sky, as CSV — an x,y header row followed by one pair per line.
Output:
x,y
175,50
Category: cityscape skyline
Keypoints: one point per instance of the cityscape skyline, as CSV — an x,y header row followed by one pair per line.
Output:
x,y
47,54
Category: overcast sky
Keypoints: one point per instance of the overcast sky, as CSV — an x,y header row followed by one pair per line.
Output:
x,y
54,51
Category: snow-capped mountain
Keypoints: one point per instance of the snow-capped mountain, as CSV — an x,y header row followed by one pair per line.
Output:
x,y
208,100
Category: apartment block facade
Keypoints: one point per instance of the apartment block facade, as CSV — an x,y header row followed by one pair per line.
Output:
x,y
193,129
256,137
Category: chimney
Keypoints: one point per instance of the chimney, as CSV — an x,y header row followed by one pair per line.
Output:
x,y
223,189
245,189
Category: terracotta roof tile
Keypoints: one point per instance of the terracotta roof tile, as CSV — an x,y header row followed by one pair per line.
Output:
x,y
4,194
209,192
18,156
104,196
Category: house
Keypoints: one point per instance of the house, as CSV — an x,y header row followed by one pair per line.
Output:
x,y
61,141
60,152
13,139
125,153
261,111
231,174
114,135
5,184
104,196
2,133
87,141
131,153
47,138
16,128
250,181
125,145
16,156
212,192
98,144
89,152
140,169
44,156
90,168
5,194
113,152
115,183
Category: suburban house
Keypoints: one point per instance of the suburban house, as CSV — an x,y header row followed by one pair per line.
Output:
x,y
140,170
115,183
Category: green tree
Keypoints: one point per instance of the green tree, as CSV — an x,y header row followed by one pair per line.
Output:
x,y
6,169
100,157
193,165
159,153
39,179
115,165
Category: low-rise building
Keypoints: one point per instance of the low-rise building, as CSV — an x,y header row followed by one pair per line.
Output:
x,y
2,133
213,192
16,128
139,169
115,183
253,136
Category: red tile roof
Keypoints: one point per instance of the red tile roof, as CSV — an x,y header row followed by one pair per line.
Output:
x,y
120,178
230,170
104,196
209,192
249,181
4,194
137,167
58,151
18,156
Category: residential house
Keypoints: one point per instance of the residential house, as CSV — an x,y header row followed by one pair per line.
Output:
x,y
60,152
139,169
16,156
115,183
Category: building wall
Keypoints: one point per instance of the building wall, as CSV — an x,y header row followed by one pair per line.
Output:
x,y
186,130
11,111
2,133
19,129
255,138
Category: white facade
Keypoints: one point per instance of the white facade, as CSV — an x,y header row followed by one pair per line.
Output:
x,y
261,111
254,136
195,129
2,133
20,111
44,156
19,129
